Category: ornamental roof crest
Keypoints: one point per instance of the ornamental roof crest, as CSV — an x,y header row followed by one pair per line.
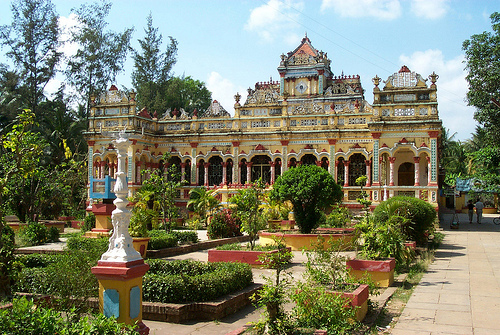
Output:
x,y
405,78
113,95
215,110
267,92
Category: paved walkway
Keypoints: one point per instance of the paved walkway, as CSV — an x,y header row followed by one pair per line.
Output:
x,y
460,294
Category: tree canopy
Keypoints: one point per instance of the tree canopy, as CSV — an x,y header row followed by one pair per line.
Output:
x,y
310,189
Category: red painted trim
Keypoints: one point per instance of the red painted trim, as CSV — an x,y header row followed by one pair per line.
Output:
x,y
103,209
120,270
372,265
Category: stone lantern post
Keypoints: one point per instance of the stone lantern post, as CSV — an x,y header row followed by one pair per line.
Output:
x,y
121,267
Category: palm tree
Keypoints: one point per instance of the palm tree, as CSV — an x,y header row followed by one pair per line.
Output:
x,y
202,202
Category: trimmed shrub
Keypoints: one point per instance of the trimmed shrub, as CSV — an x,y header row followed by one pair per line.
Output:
x,y
224,224
421,216
34,233
99,244
88,222
182,281
26,317
53,234
185,237
162,242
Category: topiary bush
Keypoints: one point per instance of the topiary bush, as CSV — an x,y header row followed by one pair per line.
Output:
x,y
185,237
53,234
224,224
162,242
421,216
99,244
88,222
183,281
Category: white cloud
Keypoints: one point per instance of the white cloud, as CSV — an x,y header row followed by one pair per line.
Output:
x,y
430,9
223,90
381,9
451,89
275,19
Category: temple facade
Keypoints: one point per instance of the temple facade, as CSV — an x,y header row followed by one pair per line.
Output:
x,y
309,116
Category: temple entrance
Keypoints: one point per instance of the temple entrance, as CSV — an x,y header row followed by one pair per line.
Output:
x,y
406,174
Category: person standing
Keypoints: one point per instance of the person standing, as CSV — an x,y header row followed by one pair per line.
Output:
x,y
479,210
470,207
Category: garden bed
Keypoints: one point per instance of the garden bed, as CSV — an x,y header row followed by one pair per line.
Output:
x,y
241,256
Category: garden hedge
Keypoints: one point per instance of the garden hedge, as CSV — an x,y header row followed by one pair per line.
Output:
x,y
183,281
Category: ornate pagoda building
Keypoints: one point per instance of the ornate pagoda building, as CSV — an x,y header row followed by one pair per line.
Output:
x,y
309,116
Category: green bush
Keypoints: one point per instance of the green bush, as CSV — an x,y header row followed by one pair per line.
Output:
x,y
339,217
34,233
37,260
162,242
319,309
88,222
421,216
53,234
224,224
182,281
26,317
8,268
185,237
99,244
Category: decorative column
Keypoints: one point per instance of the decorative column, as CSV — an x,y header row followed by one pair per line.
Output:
x,y
434,157
138,172
391,170
249,172
121,268
194,165
102,169
416,160
205,166
368,173
197,174
346,173
376,160
284,157
236,167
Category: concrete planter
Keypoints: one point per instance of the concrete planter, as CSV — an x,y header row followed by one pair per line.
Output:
x,y
411,244
381,271
298,241
274,224
241,256
141,245
358,299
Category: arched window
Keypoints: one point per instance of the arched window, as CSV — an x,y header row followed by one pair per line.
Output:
x,y
175,167
243,169
201,172
187,172
261,168
277,168
324,163
215,171
357,168
292,163
229,171
340,171
406,174
308,159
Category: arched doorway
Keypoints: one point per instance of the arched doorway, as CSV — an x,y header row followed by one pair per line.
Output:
x,y
308,159
261,168
406,174
201,172
357,168
340,170
174,166
187,172
229,171
243,171
215,171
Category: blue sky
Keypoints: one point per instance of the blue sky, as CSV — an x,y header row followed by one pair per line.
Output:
x,y
231,45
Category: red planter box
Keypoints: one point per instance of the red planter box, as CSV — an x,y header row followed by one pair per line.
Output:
x,y
241,256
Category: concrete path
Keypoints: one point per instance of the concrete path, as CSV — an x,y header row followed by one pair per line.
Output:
x,y
460,293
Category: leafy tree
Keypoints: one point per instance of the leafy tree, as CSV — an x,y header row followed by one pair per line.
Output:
x,y
32,39
153,68
11,97
248,208
164,187
19,149
310,189
202,202
101,54
482,59
189,94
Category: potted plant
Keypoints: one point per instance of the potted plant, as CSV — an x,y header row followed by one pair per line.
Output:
x,y
138,228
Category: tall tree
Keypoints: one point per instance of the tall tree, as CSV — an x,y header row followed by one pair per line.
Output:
x,y
11,97
32,40
101,53
482,59
189,94
153,68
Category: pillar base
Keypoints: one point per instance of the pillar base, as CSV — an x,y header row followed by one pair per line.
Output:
x,y
120,291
